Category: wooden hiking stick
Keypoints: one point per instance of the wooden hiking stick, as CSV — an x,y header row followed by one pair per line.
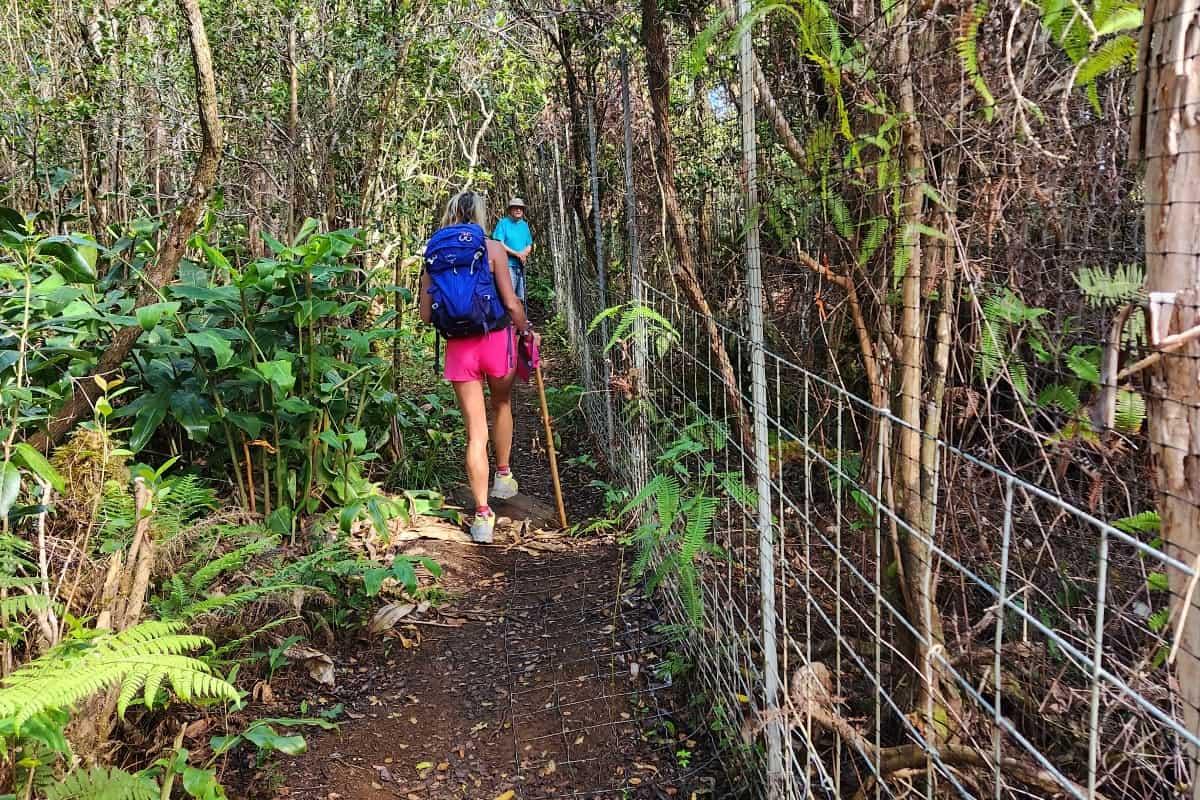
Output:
x,y
562,513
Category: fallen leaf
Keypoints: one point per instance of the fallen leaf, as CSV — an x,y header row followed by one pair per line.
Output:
x,y
509,795
385,774
477,728
197,728
263,692
319,665
387,617
424,765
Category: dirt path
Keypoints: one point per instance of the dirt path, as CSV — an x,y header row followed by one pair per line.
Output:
x,y
553,686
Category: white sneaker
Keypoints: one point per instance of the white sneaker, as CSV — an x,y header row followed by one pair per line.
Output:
x,y
504,487
483,529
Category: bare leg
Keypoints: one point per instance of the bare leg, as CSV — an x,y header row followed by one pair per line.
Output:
x,y
502,421
474,411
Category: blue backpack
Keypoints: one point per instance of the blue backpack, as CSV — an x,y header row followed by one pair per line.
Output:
x,y
465,299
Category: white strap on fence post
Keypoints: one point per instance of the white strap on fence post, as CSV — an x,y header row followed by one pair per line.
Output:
x,y
758,377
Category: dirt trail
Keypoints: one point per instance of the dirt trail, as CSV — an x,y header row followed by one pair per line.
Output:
x,y
553,686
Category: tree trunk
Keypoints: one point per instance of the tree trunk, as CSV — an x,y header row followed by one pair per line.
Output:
x,y
1166,134
658,74
161,271
293,130
937,692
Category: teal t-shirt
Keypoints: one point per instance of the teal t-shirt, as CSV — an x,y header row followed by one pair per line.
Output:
x,y
515,234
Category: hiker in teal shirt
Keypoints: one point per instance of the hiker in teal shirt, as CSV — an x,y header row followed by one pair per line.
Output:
x,y
512,231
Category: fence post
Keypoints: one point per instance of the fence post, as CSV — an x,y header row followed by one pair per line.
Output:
x,y
601,271
637,289
758,378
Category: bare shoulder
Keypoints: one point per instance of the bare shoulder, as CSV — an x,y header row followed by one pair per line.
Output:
x,y
496,254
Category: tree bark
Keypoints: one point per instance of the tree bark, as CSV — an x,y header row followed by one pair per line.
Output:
x,y
1166,135
293,130
937,693
658,74
162,270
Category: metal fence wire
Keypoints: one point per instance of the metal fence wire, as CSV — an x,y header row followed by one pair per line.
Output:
x,y
937,571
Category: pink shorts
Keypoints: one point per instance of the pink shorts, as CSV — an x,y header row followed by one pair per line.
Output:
x,y
472,358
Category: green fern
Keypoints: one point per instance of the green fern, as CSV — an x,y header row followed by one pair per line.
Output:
x,y
1130,411
1141,522
1110,56
233,560
1005,316
1093,53
140,658
872,239
1061,397
178,502
104,783
967,47
1104,288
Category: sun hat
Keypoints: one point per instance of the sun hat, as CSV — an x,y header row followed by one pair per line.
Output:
x,y
516,202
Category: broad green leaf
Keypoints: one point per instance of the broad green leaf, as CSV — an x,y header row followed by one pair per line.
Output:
x,y
36,463
265,738
202,784
218,345
249,423
306,230
73,264
10,487
402,571
373,580
149,316
276,246
148,419
11,220
215,257
278,373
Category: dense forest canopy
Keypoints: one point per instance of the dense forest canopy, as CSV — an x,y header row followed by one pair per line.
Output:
x,y
211,218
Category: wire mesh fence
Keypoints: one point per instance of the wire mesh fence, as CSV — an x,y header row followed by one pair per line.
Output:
x,y
937,570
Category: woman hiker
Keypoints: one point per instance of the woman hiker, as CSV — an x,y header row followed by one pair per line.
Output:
x,y
512,231
467,293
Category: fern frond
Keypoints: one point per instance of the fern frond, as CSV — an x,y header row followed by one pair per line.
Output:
x,y
77,669
23,604
235,559
872,239
1103,288
234,600
104,783
967,47
178,502
701,511
1130,411
1059,396
1110,56
1142,522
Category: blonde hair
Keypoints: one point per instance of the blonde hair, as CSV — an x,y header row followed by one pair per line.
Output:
x,y
466,207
